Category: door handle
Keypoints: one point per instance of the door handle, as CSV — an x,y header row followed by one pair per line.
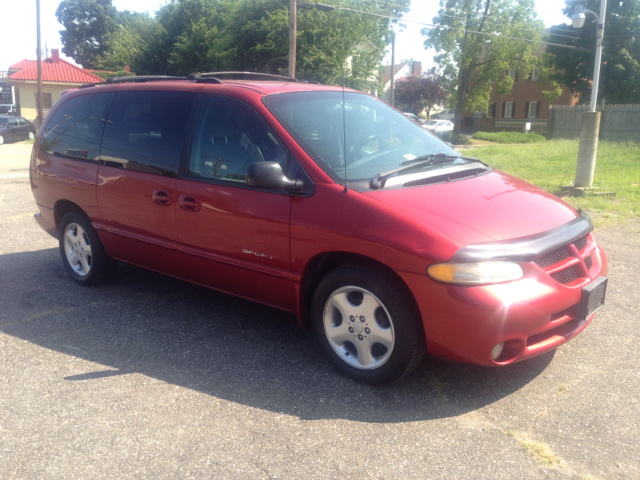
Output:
x,y
161,197
189,203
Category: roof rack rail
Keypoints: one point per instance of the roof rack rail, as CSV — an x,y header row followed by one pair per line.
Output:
x,y
133,79
251,75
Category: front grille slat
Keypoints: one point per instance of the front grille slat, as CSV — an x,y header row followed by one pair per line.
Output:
x,y
565,276
588,261
559,259
581,243
551,258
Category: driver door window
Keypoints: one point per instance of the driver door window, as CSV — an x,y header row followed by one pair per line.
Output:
x,y
229,137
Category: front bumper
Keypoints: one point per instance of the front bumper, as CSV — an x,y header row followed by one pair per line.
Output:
x,y
531,316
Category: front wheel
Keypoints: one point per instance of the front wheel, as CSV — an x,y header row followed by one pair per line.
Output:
x,y
1,139
367,325
82,252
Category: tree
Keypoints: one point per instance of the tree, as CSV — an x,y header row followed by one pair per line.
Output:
x,y
478,41
620,68
127,44
420,93
87,23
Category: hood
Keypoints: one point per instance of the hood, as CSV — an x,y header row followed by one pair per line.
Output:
x,y
487,208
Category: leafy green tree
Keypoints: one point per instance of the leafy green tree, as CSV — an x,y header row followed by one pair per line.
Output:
x,y
620,68
477,42
127,44
87,23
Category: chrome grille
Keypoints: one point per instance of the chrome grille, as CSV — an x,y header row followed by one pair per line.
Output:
x,y
581,243
588,262
566,276
552,258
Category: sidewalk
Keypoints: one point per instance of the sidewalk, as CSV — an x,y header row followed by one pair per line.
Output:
x,y
14,160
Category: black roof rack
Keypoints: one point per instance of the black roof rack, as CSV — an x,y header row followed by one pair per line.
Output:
x,y
244,76
207,77
133,79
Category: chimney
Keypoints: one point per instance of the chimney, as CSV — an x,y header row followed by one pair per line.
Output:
x,y
417,68
127,69
55,55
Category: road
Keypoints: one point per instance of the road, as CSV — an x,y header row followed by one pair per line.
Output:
x,y
151,377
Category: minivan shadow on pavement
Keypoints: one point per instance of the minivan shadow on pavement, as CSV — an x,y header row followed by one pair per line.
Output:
x,y
223,346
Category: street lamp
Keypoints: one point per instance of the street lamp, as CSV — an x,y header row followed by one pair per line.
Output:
x,y
590,127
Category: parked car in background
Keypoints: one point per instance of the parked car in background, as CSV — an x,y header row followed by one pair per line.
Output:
x,y
444,115
415,118
15,128
319,201
442,128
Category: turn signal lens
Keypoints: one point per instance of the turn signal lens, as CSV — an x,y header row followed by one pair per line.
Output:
x,y
475,273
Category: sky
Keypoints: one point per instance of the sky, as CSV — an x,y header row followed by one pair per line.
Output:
x,y
18,36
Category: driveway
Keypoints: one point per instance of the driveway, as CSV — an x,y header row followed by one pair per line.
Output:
x,y
151,377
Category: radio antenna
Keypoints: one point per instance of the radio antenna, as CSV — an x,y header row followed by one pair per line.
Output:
x,y
344,139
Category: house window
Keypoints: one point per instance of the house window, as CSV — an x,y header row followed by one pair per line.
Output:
x,y
535,74
512,73
491,112
508,109
533,110
46,101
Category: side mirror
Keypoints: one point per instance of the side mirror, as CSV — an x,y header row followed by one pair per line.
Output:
x,y
270,175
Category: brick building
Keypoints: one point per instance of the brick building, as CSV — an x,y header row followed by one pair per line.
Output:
x,y
524,104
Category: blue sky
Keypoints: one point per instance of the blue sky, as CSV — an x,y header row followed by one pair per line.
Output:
x,y
18,35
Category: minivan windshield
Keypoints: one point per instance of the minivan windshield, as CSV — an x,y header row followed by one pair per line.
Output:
x,y
354,133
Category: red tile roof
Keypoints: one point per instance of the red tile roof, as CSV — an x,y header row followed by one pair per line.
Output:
x,y
22,64
62,71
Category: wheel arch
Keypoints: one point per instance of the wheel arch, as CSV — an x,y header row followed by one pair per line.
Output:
x,y
62,207
323,263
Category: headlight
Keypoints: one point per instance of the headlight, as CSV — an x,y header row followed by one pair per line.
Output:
x,y
475,273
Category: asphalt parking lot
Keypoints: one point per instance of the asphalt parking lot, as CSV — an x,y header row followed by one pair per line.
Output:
x,y
151,377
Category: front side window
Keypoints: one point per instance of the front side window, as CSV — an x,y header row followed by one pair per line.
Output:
x,y
229,137
76,127
352,132
144,131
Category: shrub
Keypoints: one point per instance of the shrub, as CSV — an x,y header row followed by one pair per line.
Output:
x,y
458,139
510,137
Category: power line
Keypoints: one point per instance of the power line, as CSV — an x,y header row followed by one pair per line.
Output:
x,y
492,20
430,25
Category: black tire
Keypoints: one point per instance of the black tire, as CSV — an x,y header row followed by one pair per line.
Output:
x,y
31,135
394,315
82,253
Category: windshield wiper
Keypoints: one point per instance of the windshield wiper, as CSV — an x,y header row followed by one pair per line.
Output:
x,y
432,159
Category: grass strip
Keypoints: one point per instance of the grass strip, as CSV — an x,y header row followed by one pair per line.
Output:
x,y
552,164
509,137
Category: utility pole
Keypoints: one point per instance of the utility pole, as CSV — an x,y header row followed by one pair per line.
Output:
x,y
590,128
393,61
39,53
293,27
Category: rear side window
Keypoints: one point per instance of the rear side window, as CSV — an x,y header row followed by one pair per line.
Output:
x,y
144,131
75,128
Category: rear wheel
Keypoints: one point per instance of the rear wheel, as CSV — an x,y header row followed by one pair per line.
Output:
x,y
32,135
366,325
82,252
1,139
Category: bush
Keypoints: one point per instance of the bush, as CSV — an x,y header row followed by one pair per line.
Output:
x,y
458,139
509,137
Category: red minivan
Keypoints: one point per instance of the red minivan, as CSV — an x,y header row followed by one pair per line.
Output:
x,y
320,201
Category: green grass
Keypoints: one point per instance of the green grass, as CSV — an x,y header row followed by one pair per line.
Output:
x,y
552,164
509,137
